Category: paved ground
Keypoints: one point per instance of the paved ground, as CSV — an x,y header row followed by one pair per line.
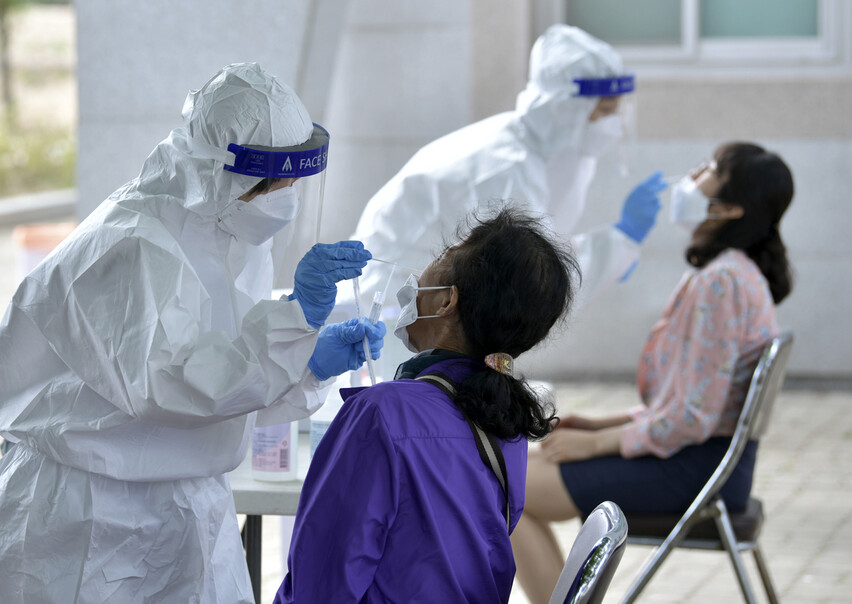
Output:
x,y
803,476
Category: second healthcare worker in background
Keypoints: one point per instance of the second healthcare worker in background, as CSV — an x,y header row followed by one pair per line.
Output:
x,y
135,360
543,154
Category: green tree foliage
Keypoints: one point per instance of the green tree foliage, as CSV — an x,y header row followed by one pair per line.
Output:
x,y
34,156
36,160
9,103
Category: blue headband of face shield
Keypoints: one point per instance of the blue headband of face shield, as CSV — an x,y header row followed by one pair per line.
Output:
x,y
605,86
297,161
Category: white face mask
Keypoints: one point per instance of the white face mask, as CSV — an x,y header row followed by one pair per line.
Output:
x,y
689,204
257,220
407,297
600,135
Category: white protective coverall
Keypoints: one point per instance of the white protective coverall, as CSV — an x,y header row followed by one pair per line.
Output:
x,y
134,362
541,154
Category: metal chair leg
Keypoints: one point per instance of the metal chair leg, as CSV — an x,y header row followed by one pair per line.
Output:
x,y
763,569
654,561
726,533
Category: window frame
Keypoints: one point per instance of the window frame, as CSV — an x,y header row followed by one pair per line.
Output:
x,y
831,49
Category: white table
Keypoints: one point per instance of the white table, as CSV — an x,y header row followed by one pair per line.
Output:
x,y
256,498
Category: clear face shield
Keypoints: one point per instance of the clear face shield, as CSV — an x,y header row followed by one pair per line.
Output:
x,y
379,282
373,297
612,123
304,165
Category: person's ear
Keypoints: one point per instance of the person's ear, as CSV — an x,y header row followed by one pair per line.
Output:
x,y
728,211
449,304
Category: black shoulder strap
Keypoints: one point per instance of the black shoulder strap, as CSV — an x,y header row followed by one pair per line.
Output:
x,y
486,444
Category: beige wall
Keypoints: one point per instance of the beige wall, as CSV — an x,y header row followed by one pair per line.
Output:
x,y
725,109
501,37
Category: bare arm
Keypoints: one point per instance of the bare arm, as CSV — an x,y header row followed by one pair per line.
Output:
x,y
581,422
576,445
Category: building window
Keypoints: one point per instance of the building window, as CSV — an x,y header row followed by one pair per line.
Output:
x,y
719,33
650,22
759,19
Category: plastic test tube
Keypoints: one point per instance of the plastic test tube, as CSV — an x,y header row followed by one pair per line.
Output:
x,y
370,368
375,311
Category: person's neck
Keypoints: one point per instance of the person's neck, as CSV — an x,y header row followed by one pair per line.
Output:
x,y
448,339
424,359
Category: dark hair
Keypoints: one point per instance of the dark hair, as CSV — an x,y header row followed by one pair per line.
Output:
x,y
263,186
515,282
761,183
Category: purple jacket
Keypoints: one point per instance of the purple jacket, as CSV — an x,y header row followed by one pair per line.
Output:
x,y
398,506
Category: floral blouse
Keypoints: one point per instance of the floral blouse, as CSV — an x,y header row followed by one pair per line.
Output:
x,y
696,366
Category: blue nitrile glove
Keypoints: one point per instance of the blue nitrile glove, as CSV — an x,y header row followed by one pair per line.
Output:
x,y
318,272
640,208
340,347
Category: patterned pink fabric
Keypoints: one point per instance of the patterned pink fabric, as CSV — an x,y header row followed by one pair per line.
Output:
x,y
697,363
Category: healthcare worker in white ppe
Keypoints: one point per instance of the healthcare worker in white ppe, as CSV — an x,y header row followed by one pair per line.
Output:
x,y
135,360
542,154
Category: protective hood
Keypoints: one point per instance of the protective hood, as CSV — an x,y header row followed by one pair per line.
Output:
x,y
549,107
242,104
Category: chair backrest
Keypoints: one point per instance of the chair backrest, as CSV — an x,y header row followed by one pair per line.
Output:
x,y
593,558
765,383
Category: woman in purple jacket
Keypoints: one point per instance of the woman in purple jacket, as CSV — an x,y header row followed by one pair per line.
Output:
x,y
414,490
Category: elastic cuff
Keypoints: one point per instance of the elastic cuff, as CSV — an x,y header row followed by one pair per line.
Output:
x,y
631,232
318,373
292,298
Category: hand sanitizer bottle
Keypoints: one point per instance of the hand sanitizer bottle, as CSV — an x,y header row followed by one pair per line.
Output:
x,y
322,417
274,452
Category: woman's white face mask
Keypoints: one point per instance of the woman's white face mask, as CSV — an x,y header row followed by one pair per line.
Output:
x,y
600,135
257,220
690,206
407,297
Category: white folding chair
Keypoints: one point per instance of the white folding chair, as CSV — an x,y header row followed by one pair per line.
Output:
x,y
708,524
593,558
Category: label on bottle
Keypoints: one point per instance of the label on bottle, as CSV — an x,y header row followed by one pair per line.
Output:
x,y
318,430
270,449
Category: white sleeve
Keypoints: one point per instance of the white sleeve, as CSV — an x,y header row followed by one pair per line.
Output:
x,y
401,223
134,327
301,401
605,255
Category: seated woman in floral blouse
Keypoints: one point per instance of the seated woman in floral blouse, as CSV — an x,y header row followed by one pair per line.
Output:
x,y
693,372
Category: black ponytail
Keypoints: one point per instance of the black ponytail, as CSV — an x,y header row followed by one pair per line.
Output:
x,y
504,406
515,283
